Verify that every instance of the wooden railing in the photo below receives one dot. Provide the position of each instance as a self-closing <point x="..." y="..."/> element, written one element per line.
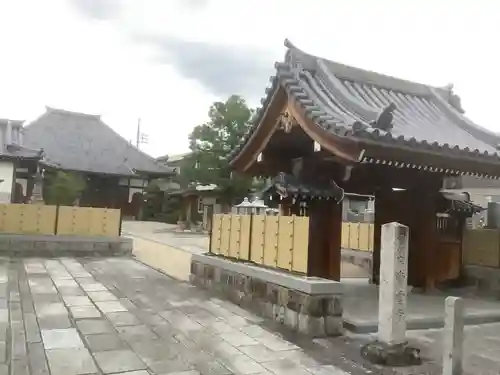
<point x="59" y="220"/>
<point x="272" y="241"/>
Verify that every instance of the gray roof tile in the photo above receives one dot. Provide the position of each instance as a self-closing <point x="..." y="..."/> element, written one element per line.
<point x="346" y="100"/>
<point x="82" y="142"/>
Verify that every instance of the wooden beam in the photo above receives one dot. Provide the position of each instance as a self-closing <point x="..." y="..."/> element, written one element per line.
<point x="343" y="148"/>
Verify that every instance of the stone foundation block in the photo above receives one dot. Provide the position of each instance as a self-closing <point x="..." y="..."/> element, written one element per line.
<point x="311" y="306"/>
<point x="61" y="246"/>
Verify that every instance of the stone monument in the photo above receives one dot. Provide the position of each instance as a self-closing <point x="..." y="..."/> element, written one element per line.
<point x="391" y="348"/>
<point x="453" y="336"/>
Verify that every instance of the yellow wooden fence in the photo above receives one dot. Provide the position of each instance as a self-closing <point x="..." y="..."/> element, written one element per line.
<point x="273" y="241"/>
<point x="357" y="236"/>
<point x="481" y="247"/>
<point x="60" y="220"/>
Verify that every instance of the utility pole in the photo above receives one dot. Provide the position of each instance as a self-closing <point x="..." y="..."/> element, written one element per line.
<point x="140" y="137"/>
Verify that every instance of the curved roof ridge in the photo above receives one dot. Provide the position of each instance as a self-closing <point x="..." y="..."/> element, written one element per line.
<point x="352" y="73"/>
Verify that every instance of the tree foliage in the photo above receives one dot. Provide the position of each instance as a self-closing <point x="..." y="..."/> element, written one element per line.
<point x="211" y="143"/>
<point x="63" y="188"/>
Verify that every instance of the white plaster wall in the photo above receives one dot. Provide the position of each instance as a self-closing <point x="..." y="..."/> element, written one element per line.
<point x="6" y="174"/>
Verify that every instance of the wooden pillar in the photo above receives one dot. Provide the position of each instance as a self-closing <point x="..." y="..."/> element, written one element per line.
<point x="325" y="230"/>
<point x="426" y="239"/>
<point x="382" y="216"/>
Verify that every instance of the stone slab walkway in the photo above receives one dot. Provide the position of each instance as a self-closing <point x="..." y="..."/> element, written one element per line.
<point x="117" y="316"/>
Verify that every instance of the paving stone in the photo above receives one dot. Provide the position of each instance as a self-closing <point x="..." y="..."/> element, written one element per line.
<point x="136" y="333"/>
<point x="238" y="338"/>
<point x="189" y="372"/>
<point x="20" y="366"/>
<point x="275" y="343"/>
<point x="40" y="299"/>
<point x="102" y="296"/>
<point x="37" y="359"/>
<point x="242" y="364"/>
<point x="103" y="342"/>
<point x="151" y="351"/>
<point x="32" y="330"/>
<point x="118" y="361"/>
<point x="77" y="301"/>
<point x="93" y="326"/>
<point x="169" y="365"/>
<point x="50" y="309"/>
<point x="4" y="369"/>
<point x="4" y="315"/>
<point x="54" y="322"/>
<point x="260" y="353"/>
<point x="65" y="282"/>
<point x="285" y="367"/>
<point x="61" y="339"/>
<point x="18" y="340"/>
<point x="93" y="287"/>
<point x="71" y="291"/>
<point x="140" y="372"/>
<point x="3" y="331"/>
<point x="70" y="362"/>
<point x="123" y="319"/>
<point x="110" y="307"/>
<point x="84" y="312"/>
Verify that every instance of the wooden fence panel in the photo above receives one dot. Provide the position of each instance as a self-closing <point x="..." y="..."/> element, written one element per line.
<point x="285" y="242"/>
<point x="481" y="247"/>
<point x="371" y="236"/>
<point x="345" y="237"/>
<point x="27" y="219"/>
<point x="245" y="237"/>
<point x="300" y="244"/>
<point x="354" y="236"/>
<point x="235" y="235"/>
<point x="271" y="241"/>
<point x="258" y="239"/>
<point x="363" y="236"/>
<point x="225" y="235"/>
<point x="88" y="221"/>
<point x="215" y="242"/>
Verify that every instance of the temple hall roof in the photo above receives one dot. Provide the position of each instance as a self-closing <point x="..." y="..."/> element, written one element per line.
<point x="82" y="142"/>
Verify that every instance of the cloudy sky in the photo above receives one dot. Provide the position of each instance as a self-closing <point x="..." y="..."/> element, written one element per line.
<point x="167" y="60"/>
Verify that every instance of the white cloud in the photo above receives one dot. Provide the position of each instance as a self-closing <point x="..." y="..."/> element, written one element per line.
<point x="57" y="53"/>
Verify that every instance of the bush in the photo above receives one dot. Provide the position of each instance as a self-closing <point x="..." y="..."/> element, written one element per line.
<point x="63" y="188"/>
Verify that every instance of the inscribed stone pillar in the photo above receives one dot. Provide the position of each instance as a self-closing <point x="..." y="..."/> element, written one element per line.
<point x="453" y="336"/>
<point x="393" y="283"/>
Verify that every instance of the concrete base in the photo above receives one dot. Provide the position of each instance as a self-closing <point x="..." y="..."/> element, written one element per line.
<point x="380" y="353"/>
<point x="312" y="306"/>
<point x="15" y="245"/>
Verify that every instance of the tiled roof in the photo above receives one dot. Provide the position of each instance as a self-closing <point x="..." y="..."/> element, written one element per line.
<point x="20" y="152"/>
<point x="81" y="142"/>
<point x="459" y="204"/>
<point x="347" y="101"/>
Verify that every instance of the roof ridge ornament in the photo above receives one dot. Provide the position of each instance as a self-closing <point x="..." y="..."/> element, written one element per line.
<point x="452" y="98"/>
<point x="384" y="119"/>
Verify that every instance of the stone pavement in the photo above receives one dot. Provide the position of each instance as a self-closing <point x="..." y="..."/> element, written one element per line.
<point x="481" y="347"/>
<point x="117" y="316"/>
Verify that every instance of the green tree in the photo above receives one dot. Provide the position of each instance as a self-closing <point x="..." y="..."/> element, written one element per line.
<point x="211" y="143"/>
<point x="63" y="188"/>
